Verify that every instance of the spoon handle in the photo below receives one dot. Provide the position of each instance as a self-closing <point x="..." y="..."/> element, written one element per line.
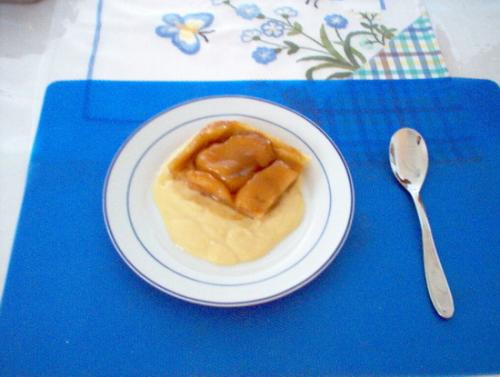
<point x="437" y="285"/>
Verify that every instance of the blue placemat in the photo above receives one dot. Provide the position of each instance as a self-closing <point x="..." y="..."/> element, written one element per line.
<point x="72" y="307"/>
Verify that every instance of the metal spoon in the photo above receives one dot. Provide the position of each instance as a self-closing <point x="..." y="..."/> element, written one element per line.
<point x="409" y="163"/>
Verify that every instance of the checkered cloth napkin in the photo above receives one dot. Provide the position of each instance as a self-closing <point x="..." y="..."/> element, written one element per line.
<point x="412" y="54"/>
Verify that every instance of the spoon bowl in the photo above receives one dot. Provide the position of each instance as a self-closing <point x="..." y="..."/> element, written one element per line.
<point x="409" y="158"/>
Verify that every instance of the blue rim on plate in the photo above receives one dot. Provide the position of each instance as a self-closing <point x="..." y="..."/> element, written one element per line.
<point x="238" y="303"/>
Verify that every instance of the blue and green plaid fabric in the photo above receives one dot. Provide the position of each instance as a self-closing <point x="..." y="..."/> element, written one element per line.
<point x="412" y="54"/>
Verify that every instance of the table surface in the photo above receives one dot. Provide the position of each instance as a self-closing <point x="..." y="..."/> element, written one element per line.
<point x="467" y="32"/>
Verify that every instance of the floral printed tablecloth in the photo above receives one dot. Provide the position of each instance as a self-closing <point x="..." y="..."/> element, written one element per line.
<point x="248" y="39"/>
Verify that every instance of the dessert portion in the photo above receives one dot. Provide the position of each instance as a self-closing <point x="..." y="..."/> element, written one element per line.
<point x="231" y="194"/>
<point x="238" y="166"/>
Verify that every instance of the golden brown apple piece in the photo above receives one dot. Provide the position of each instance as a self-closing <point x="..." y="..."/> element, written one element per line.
<point x="214" y="132"/>
<point x="264" y="189"/>
<point x="207" y="184"/>
<point x="291" y="156"/>
<point x="235" y="160"/>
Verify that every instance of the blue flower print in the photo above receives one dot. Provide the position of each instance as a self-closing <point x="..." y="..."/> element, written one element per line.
<point x="250" y="35"/>
<point x="185" y="31"/>
<point x="248" y="11"/>
<point x="336" y="21"/>
<point x="273" y="28"/>
<point x="286" y="12"/>
<point x="218" y="2"/>
<point x="264" y="55"/>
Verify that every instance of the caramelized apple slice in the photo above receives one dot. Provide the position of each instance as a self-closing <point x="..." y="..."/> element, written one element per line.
<point x="237" y="159"/>
<point x="214" y="132"/>
<point x="264" y="189"/>
<point x="291" y="156"/>
<point x="207" y="184"/>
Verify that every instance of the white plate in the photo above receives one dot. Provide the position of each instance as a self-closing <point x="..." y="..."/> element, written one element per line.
<point x="137" y="231"/>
